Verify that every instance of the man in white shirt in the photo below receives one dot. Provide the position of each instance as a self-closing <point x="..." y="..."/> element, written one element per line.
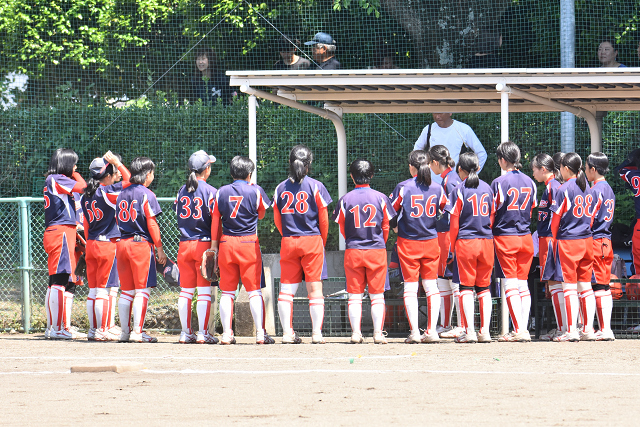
<point x="452" y="134"/>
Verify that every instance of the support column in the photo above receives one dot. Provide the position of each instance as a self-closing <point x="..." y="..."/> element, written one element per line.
<point x="504" y="136"/>
<point x="25" y="264"/>
<point x="253" y="139"/>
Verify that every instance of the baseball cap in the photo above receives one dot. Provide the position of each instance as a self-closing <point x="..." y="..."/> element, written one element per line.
<point x="170" y="272"/>
<point x="199" y="160"/>
<point x="98" y="167"/>
<point x="323" y="38"/>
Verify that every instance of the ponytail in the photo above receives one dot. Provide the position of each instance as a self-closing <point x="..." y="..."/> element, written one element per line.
<point x="192" y="182"/>
<point x="581" y="180"/>
<point x="510" y="153"/>
<point x="574" y="163"/>
<point x="469" y="163"/>
<point x="300" y="160"/>
<point x="441" y="154"/>
<point x="420" y="160"/>
<point x="557" y="160"/>
<point x="92" y="186"/>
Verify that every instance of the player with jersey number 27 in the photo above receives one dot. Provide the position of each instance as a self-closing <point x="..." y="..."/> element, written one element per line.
<point x="136" y="211"/>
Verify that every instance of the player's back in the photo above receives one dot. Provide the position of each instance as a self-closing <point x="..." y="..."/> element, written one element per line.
<point x="362" y="212"/>
<point x="134" y="206"/>
<point x="631" y="175"/>
<point x="59" y="204"/>
<point x="193" y="211"/>
<point x="544" y="207"/>
<point x="604" y="205"/>
<point x="100" y="212"/>
<point x="450" y="180"/>
<point x="299" y="204"/>
<point x="474" y="208"/>
<point x="574" y="206"/>
<point x="514" y="198"/>
<point x="419" y="207"/>
<point x="239" y="204"/>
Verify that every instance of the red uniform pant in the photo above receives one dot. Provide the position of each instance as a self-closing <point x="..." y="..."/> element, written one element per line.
<point x="189" y="262"/>
<point x="418" y="258"/>
<point x="239" y="257"/>
<point x="474" y="261"/>
<point x="136" y="264"/>
<point x="300" y="254"/>
<point x="602" y="260"/>
<point x="514" y="255"/>
<point x="575" y="260"/>
<point x="102" y="271"/>
<point x="444" y="241"/>
<point x="59" y="243"/>
<point x="365" y="266"/>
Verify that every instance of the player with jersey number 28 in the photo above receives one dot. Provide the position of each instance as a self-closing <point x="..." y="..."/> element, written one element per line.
<point x="136" y="211"/>
<point x="300" y="213"/>
<point x="472" y="211"/>
<point x="239" y="206"/>
<point x="363" y="215"/>
<point x="194" y="206"/>
<point x="514" y="199"/>
<point x="571" y="228"/>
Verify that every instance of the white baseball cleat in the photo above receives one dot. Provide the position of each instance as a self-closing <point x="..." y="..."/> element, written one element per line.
<point x="75" y="333"/>
<point x="484" y="338"/>
<point x="141" y="337"/>
<point x="47" y="333"/>
<point x="266" y="339"/>
<point x="227" y="339"/>
<point x="91" y="335"/>
<point x="522" y="336"/>
<point x="379" y="337"/>
<point x="317" y="339"/>
<point x="568" y="337"/>
<point x="105" y="336"/>
<point x="413" y="339"/>
<point x="453" y="333"/>
<point x="124" y="336"/>
<point x="605" y="335"/>
<point x="465" y="338"/>
<point x="62" y="334"/>
<point x="357" y="338"/>
<point x="441" y="329"/>
<point x="186" y="338"/>
<point x="634" y="329"/>
<point x="587" y="336"/>
<point x="431" y="338"/>
<point x="205" y="338"/>
<point x="549" y="336"/>
<point x="292" y="338"/>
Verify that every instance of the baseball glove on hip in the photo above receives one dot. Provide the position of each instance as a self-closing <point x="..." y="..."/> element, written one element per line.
<point x="209" y="267"/>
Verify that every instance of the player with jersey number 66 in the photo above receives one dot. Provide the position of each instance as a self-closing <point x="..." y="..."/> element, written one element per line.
<point x="194" y="206"/>
<point x="300" y="213"/>
<point x="363" y="215"/>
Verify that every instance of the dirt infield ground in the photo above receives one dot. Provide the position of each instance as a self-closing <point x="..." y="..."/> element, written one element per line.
<point x="335" y="384"/>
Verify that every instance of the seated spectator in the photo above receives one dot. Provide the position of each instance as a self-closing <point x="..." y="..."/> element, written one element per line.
<point x="210" y="82"/>
<point x="324" y="51"/>
<point x="487" y="44"/>
<point x="288" y="47"/>
<point x="608" y="54"/>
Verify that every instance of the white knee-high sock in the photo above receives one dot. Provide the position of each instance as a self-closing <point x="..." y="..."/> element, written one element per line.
<point x="433" y="304"/>
<point x="140" y="302"/>
<point x="256" y="304"/>
<point x="377" y="311"/>
<point x="604" y="306"/>
<point x="226" y="311"/>
<point x="484" y="301"/>
<point x="512" y="292"/>
<point x="571" y="303"/>
<point x="446" y="302"/>
<point x="557" y="298"/>
<point x="184" y="309"/>
<point x="588" y="305"/>
<point x="91" y="313"/>
<point x="68" y="307"/>
<point x="203" y="307"/>
<point x="525" y="301"/>
<point x="101" y="309"/>
<point x="124" y="308"/>
<point x="355" y="312"/>
<point x="285" y="306"/>
<point x="316" y="310"/>
<point x="47" y="309"/>
<point x="467" y="310"/>
<point x="56" y="306"/>
<point x="411" y="305"/>
<point x="455" y="289"/>
<point x="113" y="296"/>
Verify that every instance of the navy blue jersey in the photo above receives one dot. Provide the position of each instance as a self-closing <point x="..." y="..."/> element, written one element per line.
<point x="515" y="196"/>
<point x="239" y="205"/>
<point x="544" y="207"/>
<point x="299" y="204"/>
<point x="419" y="207"/>
<point x="474" y="209"/>
<point x="134" y="206"/>
<point x="573" y="208"/>
<point x="450" y="180"/>
<point x="631" y="175"/>
<point x="59" y="204"/>
<point x="364" y="215"/>
<point x="100" y="212"/>
<point x="604" y="205"/>
<point x="194" y="212"/>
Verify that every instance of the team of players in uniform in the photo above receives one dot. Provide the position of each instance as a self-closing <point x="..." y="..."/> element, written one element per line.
<point x="450" y="238"/>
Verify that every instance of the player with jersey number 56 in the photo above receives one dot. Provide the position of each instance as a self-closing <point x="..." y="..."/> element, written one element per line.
<point x="194" y="206"/>
<point x="239" y="206"/>
<point x="136" y="211"/>
<point x="363" y="215"/>
<point x="300" y="213"/>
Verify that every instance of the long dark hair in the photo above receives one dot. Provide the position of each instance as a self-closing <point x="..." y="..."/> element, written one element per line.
<point x="300" y="160"/>
<point x="94" y="180"/>
<point x="557" y="159"/>
<point x="599" y="161"/>
<point x="192" y="179"/>
<point x="543" y="160"/>
<point x="441" y="154"/>
<point x="509" y="152"/>
<point x="469" y="163"/>
<point x="574" y="163"/>
<point x="420" y="160"/>
<point x="140" y="168"/>
<point x="62" y="162"/>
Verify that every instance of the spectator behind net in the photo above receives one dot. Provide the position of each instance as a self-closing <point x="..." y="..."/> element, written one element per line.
<point x="289" y="60"/>
<point x="210" y="82"/>
<point x="324" y="51"/>
<point x="608" y="54"/>
<point x="487" y="44"/>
